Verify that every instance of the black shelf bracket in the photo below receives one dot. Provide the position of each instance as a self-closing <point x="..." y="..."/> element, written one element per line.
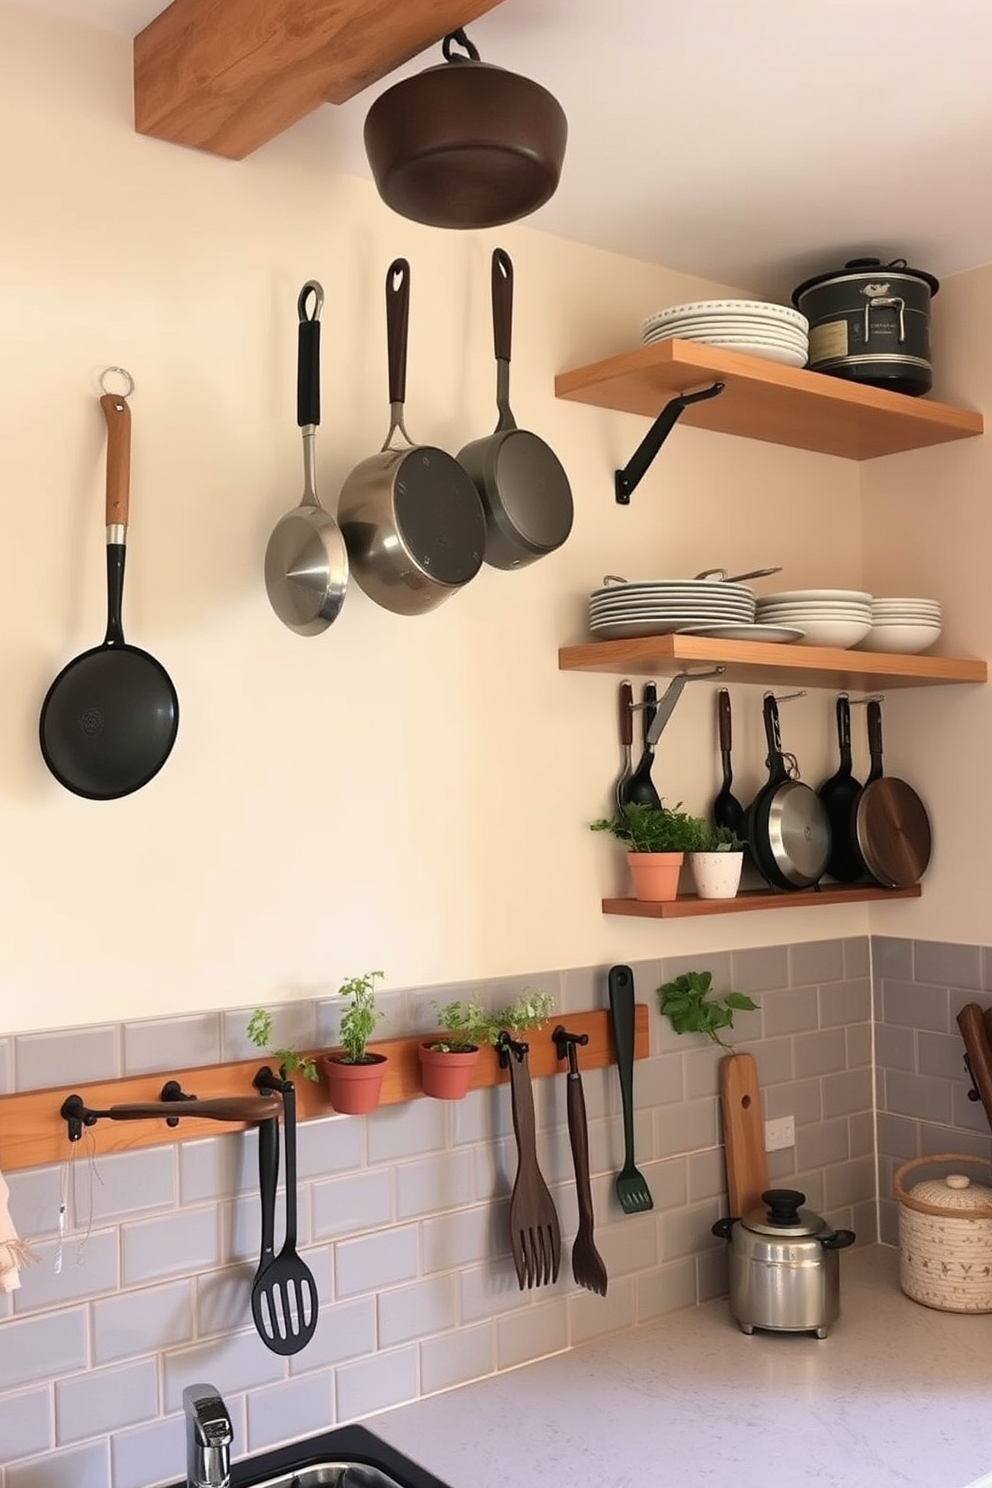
<point x="625" y="481"/>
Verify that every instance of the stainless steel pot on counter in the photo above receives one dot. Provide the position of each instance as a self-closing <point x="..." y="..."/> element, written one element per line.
<point x="784" y="1266"/>
<point x="870" y="322"/>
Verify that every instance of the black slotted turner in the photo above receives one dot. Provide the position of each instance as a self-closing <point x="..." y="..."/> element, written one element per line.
<point x="284" y="1300"/>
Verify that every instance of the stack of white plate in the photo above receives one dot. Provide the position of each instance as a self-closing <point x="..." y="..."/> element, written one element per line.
<point x="904" y="625"/>
<point x="830" y="617"/>
<point x="661" y="606"/>
<point x="754" y="327"/>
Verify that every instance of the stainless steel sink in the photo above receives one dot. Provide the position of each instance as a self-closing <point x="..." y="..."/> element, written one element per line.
<point x="331" y="1475"/>
<point x="348" y="1457"/>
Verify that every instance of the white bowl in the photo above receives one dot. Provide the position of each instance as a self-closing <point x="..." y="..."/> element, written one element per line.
<point x="909" y="640"/>
<point x="789" y="596"/>
<point x="840" y="633"/>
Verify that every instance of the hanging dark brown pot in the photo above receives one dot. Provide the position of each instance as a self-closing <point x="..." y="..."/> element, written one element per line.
<point x="465" y="144"/>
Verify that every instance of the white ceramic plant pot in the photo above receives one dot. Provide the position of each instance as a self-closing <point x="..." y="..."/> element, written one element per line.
<point x="717" y="875"/>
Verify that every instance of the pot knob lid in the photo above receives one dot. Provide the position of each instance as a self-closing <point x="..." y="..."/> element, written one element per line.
<point x="784" y="1215"/>
<point x="954" y="1191"/>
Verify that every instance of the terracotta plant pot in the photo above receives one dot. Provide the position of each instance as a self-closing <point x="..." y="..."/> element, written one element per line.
<point x="354" y="1089"/>
<point x="717" y="875"/>
<point x="655" y="875"/>
<point x="446" y="1075"/>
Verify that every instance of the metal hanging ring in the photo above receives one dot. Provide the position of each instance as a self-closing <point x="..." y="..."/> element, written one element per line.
<point x="121" y="372"/>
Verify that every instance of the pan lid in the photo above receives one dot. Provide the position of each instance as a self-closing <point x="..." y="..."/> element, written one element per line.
<point x="857" y="268"/>
<point x="782" y="1214"/>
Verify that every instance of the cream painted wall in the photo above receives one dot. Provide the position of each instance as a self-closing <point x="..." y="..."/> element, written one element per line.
<point x="411" y="794"/>
<point x="928" y="530"/>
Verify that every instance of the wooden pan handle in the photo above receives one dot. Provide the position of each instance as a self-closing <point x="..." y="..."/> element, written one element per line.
<point x="250" y="1108"/>
<point x="118" y="416"/>
<point x="972" y="1024"/>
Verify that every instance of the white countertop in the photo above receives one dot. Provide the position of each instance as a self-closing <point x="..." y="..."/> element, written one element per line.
<point x="898" y="1396"/>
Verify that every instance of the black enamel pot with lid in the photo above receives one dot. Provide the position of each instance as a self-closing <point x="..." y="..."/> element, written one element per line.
<point x="870" y="322"/>
<point x="465" y="144"/>
<point x="784" y="1266"/>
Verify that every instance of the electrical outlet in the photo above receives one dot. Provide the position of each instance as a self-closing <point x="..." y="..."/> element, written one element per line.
<point x="780" y="1133"/>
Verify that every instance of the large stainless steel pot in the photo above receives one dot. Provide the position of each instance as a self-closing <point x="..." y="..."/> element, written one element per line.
<point x="870" y="322"/>
<point x="784" y="1266"/>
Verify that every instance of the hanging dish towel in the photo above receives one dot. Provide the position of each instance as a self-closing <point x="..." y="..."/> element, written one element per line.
<point x="13" y="1252"/>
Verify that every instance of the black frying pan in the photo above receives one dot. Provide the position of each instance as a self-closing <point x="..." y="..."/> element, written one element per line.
<point x="839" y="795"/>
<point x="788" y="830"/>
<point x="891" y="824"/>
<point x="524" y="489"/>
<point x="109" y="720"/>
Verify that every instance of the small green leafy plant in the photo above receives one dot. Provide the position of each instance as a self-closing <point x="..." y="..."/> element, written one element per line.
<point x="290" y="1061"/>
<point x="471" y="1025"/>
<point x="653" y="829"/>
<point x="460" y="1022"/>
<point x="721" y="839"/>
<point x="686" y="1001"/>
<point x="360" y="1017"/>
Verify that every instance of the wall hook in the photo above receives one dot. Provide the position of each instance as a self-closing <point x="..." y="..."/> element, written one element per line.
<point x="671" y="695"/>
<point x="626" y="480"/>
<point x="505" y="1046"/>
<point x="565" y="1043"/>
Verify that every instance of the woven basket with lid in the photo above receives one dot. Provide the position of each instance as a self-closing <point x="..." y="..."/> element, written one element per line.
<point x="945" y="1233"/>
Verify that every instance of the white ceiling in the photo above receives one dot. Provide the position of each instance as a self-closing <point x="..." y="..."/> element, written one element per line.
<point x="751" y="141"/>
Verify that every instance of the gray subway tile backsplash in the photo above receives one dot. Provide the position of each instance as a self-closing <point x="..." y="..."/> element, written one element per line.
<point x="404" y="1217"/>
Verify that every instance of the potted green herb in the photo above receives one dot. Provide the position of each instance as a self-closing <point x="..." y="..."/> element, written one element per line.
<point x="688" y="1003"/>
<point x="717" y="863"/>
<point x="289" y="1060"/>
<point x="354" y="1075"/>
<point x="657" y="839"/>
<point x="447" y="1059"/>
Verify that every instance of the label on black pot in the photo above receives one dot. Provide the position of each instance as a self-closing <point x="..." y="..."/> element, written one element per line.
<point x="828" y="340"/>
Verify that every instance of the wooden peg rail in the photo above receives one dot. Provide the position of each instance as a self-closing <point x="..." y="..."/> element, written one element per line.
<point x="33" y="1134"/>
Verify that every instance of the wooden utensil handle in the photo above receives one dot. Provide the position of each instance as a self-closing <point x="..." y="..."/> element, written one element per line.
<point x="578" y="1136"/>
<point x="723" y="720"/>
<point x="226" y="1108"/>
<point x="626" y="700"/>
<point x="522" y="1101"/>
<point x="118" y="416"/>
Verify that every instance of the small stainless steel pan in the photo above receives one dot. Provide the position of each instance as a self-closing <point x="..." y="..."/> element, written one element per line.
<point x="524" y="489"/>
<point x="411" y="516"/>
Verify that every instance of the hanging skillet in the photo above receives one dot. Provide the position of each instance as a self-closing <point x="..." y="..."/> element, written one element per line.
<point x="525" y="492"/>
<point x="411" y="516"/>
<point x="787" y="826"/>
<point x="110" y="718"/>
<point x="306" y="561"/>
<point x="838" y="795"/>
<point x="465" y="144"/>
<point x="890" y="820"/>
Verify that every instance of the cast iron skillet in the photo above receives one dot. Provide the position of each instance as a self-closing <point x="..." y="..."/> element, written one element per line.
<point x="524" y="489"/>
<point x="890" y="821"/>
<point x="411" y="517"/>
<point x="838" y="795"/>
<point x="110" y="718"/>
<point x="788" y="829"/>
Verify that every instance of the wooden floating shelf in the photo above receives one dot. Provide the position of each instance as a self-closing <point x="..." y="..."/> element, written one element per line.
<point x="772" y="665"/>
<point x="686" y="906"/>
<point x="32" y="1133"/>
<point x="763" y="400"/>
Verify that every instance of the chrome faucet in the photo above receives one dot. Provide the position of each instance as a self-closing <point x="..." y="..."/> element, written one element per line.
<point x="209" y="1434"/>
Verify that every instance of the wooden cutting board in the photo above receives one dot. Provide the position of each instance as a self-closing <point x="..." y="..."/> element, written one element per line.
<point x="743" y="1134"/>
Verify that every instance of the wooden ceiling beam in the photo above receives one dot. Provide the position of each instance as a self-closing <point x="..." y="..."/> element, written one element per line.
<point x="227" y="76"/>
